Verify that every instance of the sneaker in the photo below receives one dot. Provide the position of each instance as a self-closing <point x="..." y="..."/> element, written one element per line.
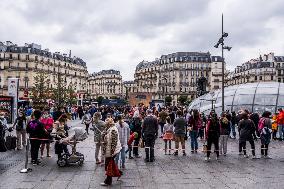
<point x="217" y="158"/>
<point x="131" y="157"/>
<point x="195" y="151"/>
<point x="246" y="156"/>
<point x="176" y="153"/>
<point x="184" y="154"/>
<point x="267" y="157"/>
<point x="104" y="184"/>
<point x="49" y="156"/>
<point x="225" y="154"/>
<point x="146" y="160"/>
<point x="207" y="158"/>
<point x="254" y="157"/>
<point x="123" y="166"/>
<point x="240" y="153"/>
<point x="192" y="151"/>
<point x="138" y="156"/>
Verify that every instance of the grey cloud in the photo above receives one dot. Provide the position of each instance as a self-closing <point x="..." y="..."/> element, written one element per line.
<point x="93" y="29"/>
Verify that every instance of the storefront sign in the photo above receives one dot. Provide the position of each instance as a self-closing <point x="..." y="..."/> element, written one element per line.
<point x="6" y="106"/>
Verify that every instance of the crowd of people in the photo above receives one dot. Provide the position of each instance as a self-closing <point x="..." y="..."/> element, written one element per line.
<point x="123" y="131"/>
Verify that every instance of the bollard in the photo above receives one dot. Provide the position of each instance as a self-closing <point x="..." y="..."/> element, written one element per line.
<point x="26" y="169"/>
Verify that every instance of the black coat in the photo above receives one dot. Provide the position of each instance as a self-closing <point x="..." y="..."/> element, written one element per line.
<point x="246" y="130"/>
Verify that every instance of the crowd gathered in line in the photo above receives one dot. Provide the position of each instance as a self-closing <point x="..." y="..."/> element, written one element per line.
<point x="123" y="131"/>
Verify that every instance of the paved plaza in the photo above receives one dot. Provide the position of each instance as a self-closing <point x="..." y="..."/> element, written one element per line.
<point x="167" y="171"/>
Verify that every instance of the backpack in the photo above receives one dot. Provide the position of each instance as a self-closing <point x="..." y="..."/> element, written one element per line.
<point x="261" y="124"/>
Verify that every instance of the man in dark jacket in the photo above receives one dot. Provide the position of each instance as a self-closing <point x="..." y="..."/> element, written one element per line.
<point x="150" y="133"/>
<point x="246" y="130"/>
<point x="179" y="130"/>
<point x="36" y="132"/>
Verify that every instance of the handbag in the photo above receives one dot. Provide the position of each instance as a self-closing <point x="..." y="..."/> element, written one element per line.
<point x="141" y="143"/>
<point x="205" y="147"/>
<point x="112" y="169"/>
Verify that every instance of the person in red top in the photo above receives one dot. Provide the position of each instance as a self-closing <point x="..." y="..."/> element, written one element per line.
<point x="280" y="122"/>
<point x="47" y="121"/>
<point x="132" y="137"/>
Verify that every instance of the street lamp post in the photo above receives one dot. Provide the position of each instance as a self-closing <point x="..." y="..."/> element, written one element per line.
<point x="221" y="42"/>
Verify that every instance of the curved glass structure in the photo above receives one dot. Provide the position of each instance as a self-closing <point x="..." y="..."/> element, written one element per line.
<point x="255" y="97"/>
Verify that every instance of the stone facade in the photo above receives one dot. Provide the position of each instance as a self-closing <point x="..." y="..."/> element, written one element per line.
<point x="263" y="69"/>
<point x="25" y="62"/>
<point x="177" y="74"/>
<point x="106" y="83"/>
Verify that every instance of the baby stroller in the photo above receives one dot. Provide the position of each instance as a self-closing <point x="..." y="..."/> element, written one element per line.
<point x="76" y="134"/>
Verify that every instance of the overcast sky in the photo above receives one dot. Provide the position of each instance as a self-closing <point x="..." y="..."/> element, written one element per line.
<point x="119" y="34"/>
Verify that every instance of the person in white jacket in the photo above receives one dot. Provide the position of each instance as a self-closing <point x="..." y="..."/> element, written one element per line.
<point x="111" y="147"/>
<point x="124" y="133"/>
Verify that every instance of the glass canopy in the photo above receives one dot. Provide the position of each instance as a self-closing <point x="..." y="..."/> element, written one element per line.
<point x="256" y="97"/>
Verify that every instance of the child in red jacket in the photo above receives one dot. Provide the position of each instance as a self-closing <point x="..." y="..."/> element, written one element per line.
<point x="133" y="136"/>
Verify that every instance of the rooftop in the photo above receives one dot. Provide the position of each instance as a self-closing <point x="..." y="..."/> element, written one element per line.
<point x="36" y="49"/>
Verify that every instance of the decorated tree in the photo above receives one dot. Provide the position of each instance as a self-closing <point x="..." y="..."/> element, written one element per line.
<point x="168" y="100"/>
<point x="70" y="95"/>
<point x="40" y="91"/>
<point x="59" y="94"/>
<point x="100" y="99"/>
<point x="182" y="99"/>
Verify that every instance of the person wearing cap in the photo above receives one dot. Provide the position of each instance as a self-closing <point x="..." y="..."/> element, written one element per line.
<point x="111" y="147"/>
<point x="150" y="134"/>
<point x="98" y="126"/>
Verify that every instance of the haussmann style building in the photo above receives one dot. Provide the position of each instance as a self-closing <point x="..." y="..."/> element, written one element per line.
<point x="106" y="83"/>
<point x="25" y="62"/>
<point x="179" y="74"/>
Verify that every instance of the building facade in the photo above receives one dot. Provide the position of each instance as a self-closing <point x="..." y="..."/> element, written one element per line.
<point x="106" y="83"/>
<point x="266" y="68"/>
<point x="178" y="74"/>
<point x="25" y="62"/>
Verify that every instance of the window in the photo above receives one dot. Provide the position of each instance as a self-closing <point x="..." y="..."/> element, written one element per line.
<point x="19" y="56"/>
<point x="11" y="56"/>
<point x="255" y="78"/>
<point x="260" y="78"/>
<point x="27" y="57"/>
<point x="272" y="78"/>
<point x="36" y="58"/>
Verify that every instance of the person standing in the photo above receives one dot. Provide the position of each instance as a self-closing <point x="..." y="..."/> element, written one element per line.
<point x="87" y="119"/>
<point x="124" y="133"/>
<point x="224" y="133"/>
<point x="20" y="125"/>
<point x="150" y="133"/>
<point x="111" y="147"/>
<point x="246" y="130"/>
<point x="274" y="126"/>
<point x="212" y="135"/>
<point x="194" y="124"/>
<point x="136" y="127"/>
<point x="233" y="125"/>
<point x="179" y="133"/>
<point x="36" y="132"/>
<point x="280" y="122"/>
<point x="168" y="135"/>
<point x="98" y="127"/>
<point x="47" y="121"/>
<point x="264" y="128"/>
<point x="162" y="120"/>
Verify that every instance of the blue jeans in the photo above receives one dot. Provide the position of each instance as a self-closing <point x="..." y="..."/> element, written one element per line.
<point x="122" y="155"/>
<point x="193" y="140"/>
<point x="233" y="130"/>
